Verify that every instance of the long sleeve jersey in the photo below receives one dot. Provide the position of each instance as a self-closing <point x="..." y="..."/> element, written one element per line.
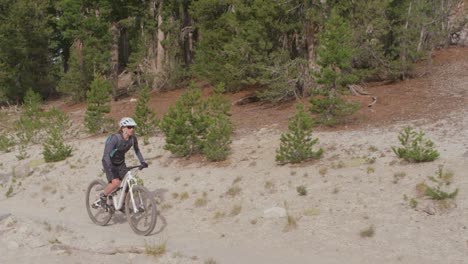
<point x="115" y="149"/>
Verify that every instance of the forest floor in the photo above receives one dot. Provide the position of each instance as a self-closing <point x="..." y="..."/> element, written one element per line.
<point x="357" y="208"/>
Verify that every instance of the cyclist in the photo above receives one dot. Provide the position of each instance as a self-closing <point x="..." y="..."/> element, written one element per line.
<point x="113" y="159"/>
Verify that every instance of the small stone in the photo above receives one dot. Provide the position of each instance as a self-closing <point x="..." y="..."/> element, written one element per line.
<point x="274" y="212"/>
<point x="4" y="215"/>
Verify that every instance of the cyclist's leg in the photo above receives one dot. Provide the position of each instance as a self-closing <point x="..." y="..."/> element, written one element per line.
<point x="113" y="179"/>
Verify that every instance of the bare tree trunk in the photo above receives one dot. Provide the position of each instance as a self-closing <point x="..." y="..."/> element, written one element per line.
<point x="187" y="35"/>
<point x="78" y="46"/>
<point x="114" y="75"/>
<point x="404" y="50"/>
<point x="152" y="47"/>
<point x="160" y="50"/>
<point x="310" y="39"/>
<point x="124" y="48"/>
<point x="421" y="38"/>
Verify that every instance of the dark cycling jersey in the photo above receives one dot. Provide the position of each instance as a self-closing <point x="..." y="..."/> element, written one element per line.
<point x="115" y="149"/>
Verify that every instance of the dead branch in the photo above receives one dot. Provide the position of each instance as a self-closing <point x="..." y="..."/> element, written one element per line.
<point x="374" y="101"/>
<point x="247" y="100"/>
<point x="357" y="90"/>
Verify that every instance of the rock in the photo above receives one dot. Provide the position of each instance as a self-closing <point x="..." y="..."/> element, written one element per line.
<point x="4" y="214"/>
<point x="274" y="212"/>
<point x="22" y="171"/>
<point x="429" y="209"/>
<point x="5" y="177"/>
<point x="60" y="249"/>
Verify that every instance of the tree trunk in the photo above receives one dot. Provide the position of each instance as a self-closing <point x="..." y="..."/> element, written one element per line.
<point x="124" y="49"/>
<point x="114" y="64"/>
<point x="160" y="50"/>
<point x="187" y="33"/>
<point x="310" y="41"/>
<point x="78" y="46"/>
<point x="152" y="47"/>
<point x="421" y="38"/>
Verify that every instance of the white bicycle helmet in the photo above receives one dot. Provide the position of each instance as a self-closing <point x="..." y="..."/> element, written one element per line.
<point x="127" y="121"/>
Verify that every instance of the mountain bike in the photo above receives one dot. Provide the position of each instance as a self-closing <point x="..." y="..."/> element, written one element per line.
<point x="130" y="197"/>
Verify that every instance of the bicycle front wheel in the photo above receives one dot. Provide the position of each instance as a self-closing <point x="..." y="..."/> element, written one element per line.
<point x="99" y="215"/>
<point x="140" y="209"/>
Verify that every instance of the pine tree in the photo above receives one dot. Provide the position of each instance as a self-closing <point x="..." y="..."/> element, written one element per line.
<point x="216" y="144"/>
<point x="54" y="148"/>
<point x="30" y="122"/>
<point x="334" y="57"/>
<point x="98" y="99"/>
<point x="183" y="124"/>
<point x="296" y="145"/>
<point x="27" y="48"/>
<point x="145" y="117"/>
<point x="197" y="126"/>
<point x="73" y="82"/>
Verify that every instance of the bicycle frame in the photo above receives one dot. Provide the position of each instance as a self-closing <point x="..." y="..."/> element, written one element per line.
<point x="128" y="182"/>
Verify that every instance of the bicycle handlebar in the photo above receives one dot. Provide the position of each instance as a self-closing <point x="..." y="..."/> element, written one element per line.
<point x="140" y="167"/>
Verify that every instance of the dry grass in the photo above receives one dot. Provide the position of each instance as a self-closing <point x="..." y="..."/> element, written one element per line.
<point x="368" y="232"/>
<point x="233" y="191"/>
<point x="323" y="171"/>
<point x="202" y="201"/>
<point x="155" y="250"/>
<point x="236" y="180"/>
<point x="236" y="209"/>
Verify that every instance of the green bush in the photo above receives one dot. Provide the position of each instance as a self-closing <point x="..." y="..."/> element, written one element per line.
<point x="216" y="143"/>
<point x="6" y="143"/>
<point x="54" y="148"/>
<point x="29" y="125"/>
<point x="144" y="116"/>
<point x="442" y="178"/>
<point x="296" y="145"/>
<point x="182" y="125"/>
<point x="415" y="148"/>
<point x="98" y="98"/>
<point x="198" y="126"/>
<point x="332" y="109"/>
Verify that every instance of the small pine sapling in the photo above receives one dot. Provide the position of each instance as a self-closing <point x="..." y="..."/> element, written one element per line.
<point x="415" y="148"/>
<point x="144" y="116"/>
<point x="216" y="145"/>
<point x="296" y="145"/>
<point x="54" y="147"/>
<point x="98" y="98"/>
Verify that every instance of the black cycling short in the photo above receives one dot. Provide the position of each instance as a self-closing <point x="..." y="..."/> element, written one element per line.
<point x="117" y="172"/>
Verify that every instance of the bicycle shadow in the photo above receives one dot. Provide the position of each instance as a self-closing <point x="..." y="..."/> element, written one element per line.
<point x="158" y="195"/>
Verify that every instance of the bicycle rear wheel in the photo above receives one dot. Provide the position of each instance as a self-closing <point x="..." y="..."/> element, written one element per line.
<point x="100" y="216"/>
<point x="142" y="213"/>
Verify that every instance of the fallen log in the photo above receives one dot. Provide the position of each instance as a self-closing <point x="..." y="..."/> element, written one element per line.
<point x="357" y="90"/>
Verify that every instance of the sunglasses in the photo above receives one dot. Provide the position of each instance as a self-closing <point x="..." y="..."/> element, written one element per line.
<point x="130" y="127"/>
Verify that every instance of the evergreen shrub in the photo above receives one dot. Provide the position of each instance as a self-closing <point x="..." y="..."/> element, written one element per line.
<point x="144" y="116"/>
<point x="415" y="148"/>
<point x="6" y="143"/>
<point x="98" y="98"/>
<point x="332" y="109"/>
<point x="54" y="148"/>
<point x="198" y="126"/>
<point x="296" y="145"/>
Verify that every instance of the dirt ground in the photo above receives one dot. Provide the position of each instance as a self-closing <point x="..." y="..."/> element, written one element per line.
<point x="357" y="207"/>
